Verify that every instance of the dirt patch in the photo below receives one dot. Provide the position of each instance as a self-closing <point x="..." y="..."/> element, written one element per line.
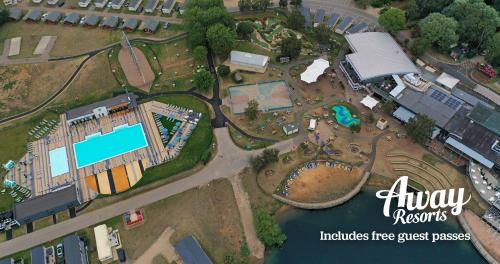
<point x="25" y="86"/>
<point x="484" y="233"/>
<point x="323" y="183"/>
<point x="133" y="72"/>
<point x="161" y="246"/>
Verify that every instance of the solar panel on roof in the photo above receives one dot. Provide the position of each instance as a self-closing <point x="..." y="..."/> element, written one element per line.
<point x="438" y="95"/>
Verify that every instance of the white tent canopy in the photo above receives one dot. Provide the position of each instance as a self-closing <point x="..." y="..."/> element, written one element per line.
<point x="447" y="80"/>
<point x="369" y="102"/>
<point x="313" y="71"/>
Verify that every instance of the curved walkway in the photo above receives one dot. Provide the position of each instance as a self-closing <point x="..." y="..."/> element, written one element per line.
<point x="475" y="241"/>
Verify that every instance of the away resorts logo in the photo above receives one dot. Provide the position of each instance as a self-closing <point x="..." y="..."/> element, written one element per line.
<point x="421" y="207"/>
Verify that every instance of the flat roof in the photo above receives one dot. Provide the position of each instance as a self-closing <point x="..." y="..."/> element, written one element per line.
<point x="246" y="58"/>
<point x="45" y="205"/>
<point x="346" y="22"/>
<point x="487" y="117"/>
<point x="333" y="19"/>
<point x="88" y="109"/>
<point x="403" y="114"/>
<point x="37" y="255"/>
<point x="469" y="98"/>
<point x="357" y="28"/>
<point x="191" y="252"/>
<point x="103" y="245"/>
<point x="436" y="104"/>
<point x="447" y="80"/>
<point x="376" y="54"/>
<point x="74" y="250"/>
<point x="488" y="93"/>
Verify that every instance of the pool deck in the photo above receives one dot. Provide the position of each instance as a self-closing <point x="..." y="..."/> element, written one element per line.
<point x="37" y="169"/>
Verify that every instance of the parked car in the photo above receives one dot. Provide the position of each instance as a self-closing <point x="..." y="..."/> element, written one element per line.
<point x="121" y="255"/>
<point x="59" y="250"/>
<point x="165" y="25"/>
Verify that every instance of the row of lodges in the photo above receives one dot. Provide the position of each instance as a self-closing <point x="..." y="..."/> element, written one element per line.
<point x="74" y="18"/>
<point x="347" y="24"/>
<point x="150" y="6"/>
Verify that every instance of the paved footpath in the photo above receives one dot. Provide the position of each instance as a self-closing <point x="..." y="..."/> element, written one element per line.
<point x="230" y="160"/>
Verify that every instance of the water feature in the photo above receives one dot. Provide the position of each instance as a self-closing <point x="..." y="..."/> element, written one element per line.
<point x="344" y="117"/>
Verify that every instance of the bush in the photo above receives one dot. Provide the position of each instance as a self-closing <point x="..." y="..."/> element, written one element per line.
<point x="267" y="157"/>
<point x="268" y="231"/>
<point x="223" y="70"/>
<point x="420" y="46"/>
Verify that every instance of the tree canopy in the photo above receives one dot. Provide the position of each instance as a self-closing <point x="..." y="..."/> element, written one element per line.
<point x="493" y="50"/>
<point x="477" y="21"/>
<point x="203" y="80"/>
<point x="268" y="231"/>
<point x="296" y="3"/>
<point x="200" y="54"/>
<point x="223" y="70"/>
<point x="245" y="29"/>
<point x="283" y="3"/>
<point x="267" y="157"/>
<point x="296" y="20"/>
<point x="393" y="19"/>
<point x="440" y="30"/>
<point x="420" y="46"/>
<point x="4" y="16"/>
<point x="221" y="39"/>
<point x="419" y="128"/>
<point x="252" y="110"/>
<point x="421" y="8"/>
<point x="291" y="47"/>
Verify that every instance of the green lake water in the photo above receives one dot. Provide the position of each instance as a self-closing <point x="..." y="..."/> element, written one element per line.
<point x="364" y="214"/>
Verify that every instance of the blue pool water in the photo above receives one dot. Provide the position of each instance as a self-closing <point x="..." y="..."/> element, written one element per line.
<point x="97" y="148"/>
<point x="58" y="161"/>
<point x="344" y="117"/>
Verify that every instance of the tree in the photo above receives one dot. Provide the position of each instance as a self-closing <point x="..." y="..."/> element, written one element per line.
<point x="493" y="50"/>
<point x="322" y="33"/>
<point x="268" y="231"/>
<point x="196" y="36"/>
<point x="296" y="20"/>
<point x="296" y="3"/>
<point x="421" y="8"/>
<point x="260" y="4"/>
<point x="252" y="110"/>
<point x="355" y="128"/>
<point x="223" y="70"/>
<point x="393" y="20"/>
<point x="440" y="30"/>
<point x="200" y="54"/>
<point x="388" y="107"/>
<point x="419" y="128"/>
<point x="203" y="80"/>
<point x="221" y="39"/>
<point x="4" y="16"/>
<point x="245" y="29"/>
<point x="283" y="3"/>
<point x="291" y="47"/>
<point x="477" y="21"/>
<point x="245" y="5"/>
<point x="420" y="46"/>
<point x="267" y="157"/>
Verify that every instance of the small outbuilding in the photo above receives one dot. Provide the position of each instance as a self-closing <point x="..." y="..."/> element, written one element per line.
<point x="84" y="3"/>
<point x="150" y="26"/>
<point x="103" y="245"/>
<point x="369" y="102"/>
<point x="100" y="3"/>
<point x="382" y="124"/>
<point x="53" y="17"/>
<point x="134" y="5"/>
<point x="72" y="19"/>
<point x="447" y="81"/>
<point x="248" y="61"/>
<point x="117" y="4"/>
<point x="168" y="6"/>
<point x="313" y="71"/>
<point x="91" y="21"/>
<point x="151" y="5"/>
<point x="290" y="129"/>
<point x="110" y="22"/>
<point x="15" y="14"/>
<point x="312" y="124"/>
<point x="130" y="24"/>
<point x="33" y="16"/>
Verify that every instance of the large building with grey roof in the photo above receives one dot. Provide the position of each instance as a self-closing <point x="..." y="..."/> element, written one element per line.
<point x="240" y="60"/>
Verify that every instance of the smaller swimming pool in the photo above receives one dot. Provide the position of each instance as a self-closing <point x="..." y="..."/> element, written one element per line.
<point x="344" y="117"/>
<point x="58" y="161"/>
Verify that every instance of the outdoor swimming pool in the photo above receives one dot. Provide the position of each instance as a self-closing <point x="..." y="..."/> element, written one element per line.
<point x="96" y="148"/>
<point x="58" y="161"/>
<point x="344" y="117"/>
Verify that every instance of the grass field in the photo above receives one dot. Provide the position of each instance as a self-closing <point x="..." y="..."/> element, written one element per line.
<point x="198" y="144"/>
<point x="245" y="142"/>
<point x="87" y="38"/>
<point x="26" y="86"/>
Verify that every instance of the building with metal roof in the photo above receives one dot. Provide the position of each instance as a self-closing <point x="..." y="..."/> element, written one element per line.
<point x="168" y="6"/>
<point x="53" y="17"/>
<point x="333" y="20"/>
<point x="134" y="5"/>
<point x="117" y="4"/>
<point x="72" y="18"/>
<point x="38" y="255"/>
<point x="319" y="17"/>
<point x="110" y="22"/>
<point x="100" y="3"/>
<point x="91" y="21"/>
<point x="191" y="252"/>
<point x="377" y="55"/>
<point x="359" y="28"/>
<point x="487" y="93"/>
<point x="469" y="98"/>
<point x="74" y="250"/>
<point x="130" y="24"/>
<point x="7" y="261"/>
<point x="150" y="26"/>
<point x="103" y="245"/>
<point x="33" y="15"/>
<point x="306" y="13"/>
<point x="344" y="25"/>
<point x="84" y="3"/>
<point x="486" y="117"/>
<point x="151" y="5"/>
<point x="101" y="108"/>
<point x="436" y="104"/>
<point x="248" y="61"/>
<point x="15" y="14"/>
<point x="46" y="205"/>
<point x="290" y="128"/>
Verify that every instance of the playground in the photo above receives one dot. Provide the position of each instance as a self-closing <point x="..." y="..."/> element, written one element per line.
<point x="271" y="96"/>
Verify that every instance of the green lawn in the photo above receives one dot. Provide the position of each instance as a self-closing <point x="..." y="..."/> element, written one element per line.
<point x="244" y="142"/>
<point x="198" y="144"/>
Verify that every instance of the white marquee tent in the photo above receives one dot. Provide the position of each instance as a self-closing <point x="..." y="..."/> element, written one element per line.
<point x="369" y="102"/>
<point x="313" y="71"/>
<point x="447" y="80"/>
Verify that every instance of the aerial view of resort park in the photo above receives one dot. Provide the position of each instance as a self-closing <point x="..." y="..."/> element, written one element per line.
<point x="249" y="131"/>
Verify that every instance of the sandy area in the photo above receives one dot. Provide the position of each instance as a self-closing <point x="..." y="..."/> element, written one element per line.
<point x="133" y="75"/>
<point x="489" y="238"/>
<point x="323" y="183"/>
